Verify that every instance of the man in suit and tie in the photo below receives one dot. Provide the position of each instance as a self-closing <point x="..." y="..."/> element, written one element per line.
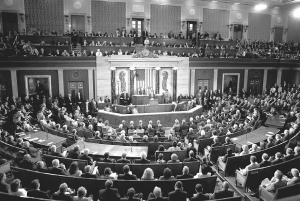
<point x="264" y="162"/>
<point x="123" y="159"/>
<point x="85" y="156"/>
<point x="69" y="102"/>
<point x="224" y="193"/>
<point x="93" y="107"/>
<point x="178" y="194"/>
<point x="127" y="174"/>
<point x="145" y="34"/>
<point x="79" y="99"/>
<point x="124" y="98"/>
<point x="199" y="196"/>
<point x="185" y="174"/>
<point x="36" y="192"/>
<point x="109" y="193"/>
<point x="143" y="159"/>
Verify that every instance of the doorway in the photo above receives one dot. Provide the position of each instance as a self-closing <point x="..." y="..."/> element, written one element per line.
<point x="10" y="22"/>
<point x="278" y="34"/>
<point x="255" y="86"/>
<point x="202" y="84"/>
<point x="2" y="91"/>
<point x="191" y="28"/>
<point x="78" y="23"/>
<point x="237" y="32"/>
<point x="137" y="24"/>
<point x="74" y="88"/>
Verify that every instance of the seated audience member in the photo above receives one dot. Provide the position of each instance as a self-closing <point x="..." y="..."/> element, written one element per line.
<point x="156" y="195"/>
<point x="174" y="147"/>
<point x="185" y="174"/>
<point x="167" y="175"/>
<point x="26" y="163"/>
<point x="64" y="193"/>
<point x="160" y="158"/>
<point x="161" y="148"/>
<point x="85" y="156"/>
<point x="245" y="150"/>
<point x="88" y="172"/>
<point x="144" y="139"/>
<point x="123" y="159"/>
<point x="205" y="172"/>
<point x="216" y="142"/>
<point x="227" y="155"/>
<point x="108" y="174"/>
<point x="74" y="153"/>
<point x="107" y="159"/>
<point x="57" y="168"/>
<point x="4" y="187"/>
<point x="148" y="174"/>
<point x="270" y="142"/>
<point x="52" y="151"/>
<point x="127" y="174"/>
<point x="227" y="141"/>
<point x="16" y="190"/>
<point x="289" y="154"/>
<point x="130" y="195"/>
<point x="174" y="159"/>
<point x="74" y="170"/>
<point x="109" y="192"/>
<point x="160" y="131"/>
<point x="170" y="138"/>
<point x="178" y="194"/>
<point x="40" y="167"/>
<point x="143" y="159"/>
<point x="295" y="179"/>
<point x="199" y="195"/>
<point x="191" y="157"/>
<point x="278" y="159"/>
<point x="275" y="183"/>
<point x="253" y="165"/>
<point x="254" y="149"/>
<point x="36" y="192"/>
<point x="264" y="162"/>
<point x="30" y="150"/>
<point x="81" y="193"/>
<point x="296" y="151"/>
<point x="224" y="193"/>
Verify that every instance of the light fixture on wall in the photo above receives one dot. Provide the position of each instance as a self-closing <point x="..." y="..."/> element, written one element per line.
<point x="89" y="19"/>
<point x="246" y="27"/>
<point x="296" y="13"/>
<point x="260" y="7"/>
<point x="21" y="17"/>
<point x="272" y="29"/>
<point x="230" y="26"/>
<point x="67" y="19"/>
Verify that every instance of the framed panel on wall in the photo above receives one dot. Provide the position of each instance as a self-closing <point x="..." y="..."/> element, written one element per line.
<point x="38" y="85"/>
<point x="231" y="83"/>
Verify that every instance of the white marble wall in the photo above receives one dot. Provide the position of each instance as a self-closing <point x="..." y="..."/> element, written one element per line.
<point x="183" y="76"/>
<point x="103" y="78"/>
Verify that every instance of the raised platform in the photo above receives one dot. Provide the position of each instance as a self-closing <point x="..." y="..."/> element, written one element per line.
<point x="166" y="118"/>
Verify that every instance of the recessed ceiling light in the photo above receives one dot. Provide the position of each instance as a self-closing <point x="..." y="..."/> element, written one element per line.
<point x="260" y="7"/>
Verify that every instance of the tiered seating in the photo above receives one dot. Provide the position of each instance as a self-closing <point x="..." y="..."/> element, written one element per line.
<point x="9" y="150"/>
<point x="167" y="154"/>
<point x="281" y="193"/>
<point x="51" y="182"/>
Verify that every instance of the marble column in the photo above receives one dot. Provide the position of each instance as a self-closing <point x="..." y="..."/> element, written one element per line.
<point x="14" y="83"/>
<point x="131" y="85"/>
<point x="113" y="85"/>
<point x="215" y="84"/>
<point x="193" y="72"/>
<point x="175" y="83"/>
<point x="246" y="80"/>
<point x="157" y="80"/>
<point x="279" y="75"/>
<point x="61" y="89"/>
<point x="91" y="83"/>
<point x="265" y="79"/>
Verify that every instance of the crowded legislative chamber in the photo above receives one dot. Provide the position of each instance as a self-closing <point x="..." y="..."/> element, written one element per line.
<point x="136" y="100"/>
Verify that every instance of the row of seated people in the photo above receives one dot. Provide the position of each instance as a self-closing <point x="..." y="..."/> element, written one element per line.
<point x="207" y="46"/>
<point x="109" y="193"/>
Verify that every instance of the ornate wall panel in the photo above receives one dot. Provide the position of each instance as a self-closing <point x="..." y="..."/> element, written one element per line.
<point x="293" y="33"/>
<point x="165" y="18"/>
<point x="108" y="16"/>
<point x="216" y="21"/>
<point x="46" y="15"/>
<point x="259" y="26"/>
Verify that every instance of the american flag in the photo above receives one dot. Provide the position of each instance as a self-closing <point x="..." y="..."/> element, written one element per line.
<point x="140" y="75"/>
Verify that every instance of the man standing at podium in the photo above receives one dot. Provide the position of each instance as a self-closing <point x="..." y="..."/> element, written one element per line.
<point x="124" y="98"/>
<point x="167" y="97"/>
<point x="151" y="94"/>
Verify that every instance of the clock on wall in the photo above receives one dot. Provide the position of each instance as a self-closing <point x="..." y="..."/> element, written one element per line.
<point x="77" y="5"/>
<point x="76" y="75"/>
<point x="192" y="12"/>
<point x="279" y="19"/>
<point x="9" y="2"/>
<point x="204" y="73"/>
<point x="255" y="73"/>
<point x="239" y="16"/>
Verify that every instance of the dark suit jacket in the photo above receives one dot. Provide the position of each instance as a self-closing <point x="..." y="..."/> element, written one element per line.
<point x="142" y="161"/>
<point x="59" y="171"/>
<point x="59" y="196"/>
<point x="200" y="197"/>
<point x="159" y="199"/>
<point x="87" y="158"/>
<point x="264" y="164"/>
<point x="73" y="154"/>
<point x="184" y="176"/>
<point x="37" y="194"/>
<point x="127" y="177"/>
<point x="276" y="161"/>
<point x="123" y="161"/>
<point x="79" y="99"/>
<point x="223" y="194"/>
<point x="289" y="157"/>
<point x="88" y="175"/>
<point x="190" y="160"/>
<point x="56" y="154"/>
<point x="112" y="193"/>
<point x="4" y="187"/>
<point x="177" y="195"/>
<point x="68" y="101"/>
<point x="26" y="164"/>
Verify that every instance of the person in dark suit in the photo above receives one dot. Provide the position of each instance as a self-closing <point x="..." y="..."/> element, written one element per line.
<point x="131" y="196"/>
<point x="278" y="159"/>
<point x="185" y="173"/>
<point x="123" y="159"/>
<point x="64" y="193"/>
<point x="4" y="187"/>
<point x="264" y="162"/>
<point x="224" y="193"/>
<point x="57" y="168"/>
<point x="74" y="153"/>
<point x="87" y="173"/>
<point x="26" y="163"/>
<point x="295" y="179"/>
<point x="85" y="156"/>
<point x="79" y="99"/>
<point x="156" y="195"/>
<point x="127" y="175"/>
<point x="227" y="155"/>
<point x="191" y="157"/>
<point x="216" y="142"/>
<point x="107" y="159"/>
<point x="52" y="152"/>
<point x="109" y="192"/>
<point x="178" y="194"/>
<point x="36" y="192"/>
<point x="199" y="196"/>
<point x="289" y="154"/>
<point x="93" y="107"/>
<point x="69" y="102"/>
<point x="276" y="182"/>
<point x="184" y="126"/>
<point x="143" y="159"/>
<point x="124" y="98"/>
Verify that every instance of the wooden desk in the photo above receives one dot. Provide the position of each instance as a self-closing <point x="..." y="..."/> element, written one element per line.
<point x="115" y="151"/>
<point x="254" y="137"/>
<point x="44" y="140"/>
<point x="46" y="39"/>
<point x="140" y="100"/>
<point x="275" y="121"/>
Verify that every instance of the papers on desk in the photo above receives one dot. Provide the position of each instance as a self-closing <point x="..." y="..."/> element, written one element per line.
<point x="33" y="139"/>
<point x="271" y="132"/>
<point x="269" y="135"/>
<point x="249" y="142"/>
<point x="40" y="140"/>
<point x="96" y="152"/>
<point x="235" y="138"/>
<point x="50" y="143"/>
<point x="64" y="153"/>
<point x="35" y="130"/>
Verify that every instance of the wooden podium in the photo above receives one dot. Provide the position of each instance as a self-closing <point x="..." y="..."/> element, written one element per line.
<point x="140" y="100"/>
<point x="153" y="102"/>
